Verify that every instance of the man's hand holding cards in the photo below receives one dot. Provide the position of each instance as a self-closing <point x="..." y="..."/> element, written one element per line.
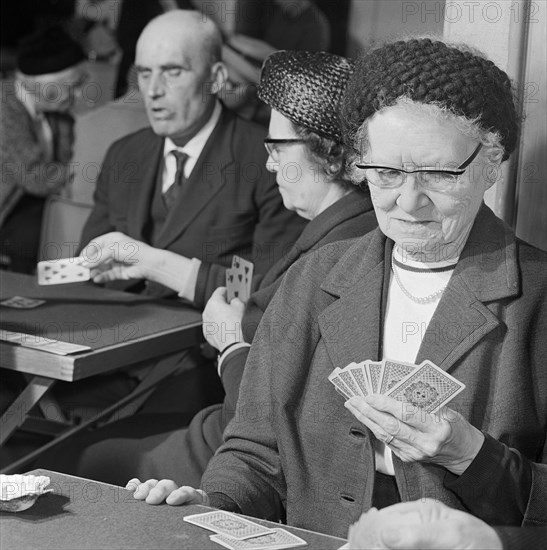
<point x="62" y="271"/>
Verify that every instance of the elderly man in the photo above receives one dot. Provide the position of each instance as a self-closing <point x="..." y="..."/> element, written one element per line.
<point x="35" y="139"/>
<point x="195" y="185"/>
<point x="195" y="182"/>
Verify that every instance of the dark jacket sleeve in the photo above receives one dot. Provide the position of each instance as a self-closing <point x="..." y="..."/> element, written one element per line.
<point x="503" y="474"/>
<point x="522" y="538"/>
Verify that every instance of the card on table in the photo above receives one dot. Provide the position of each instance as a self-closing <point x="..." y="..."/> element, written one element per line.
<point x="278" y="539"/>
<point x="35" y="341"/>
<point x="62" y="271"/>
<point x="20" y="302"/>
<point x="225" y="523"/>
<point x="428" y="387"/>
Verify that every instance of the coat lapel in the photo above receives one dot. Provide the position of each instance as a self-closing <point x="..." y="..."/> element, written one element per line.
<point x="212" y="171"/>
<point x="350" y="326"/>
<point x="486" y="271"/>
<point x="149" y="162"/>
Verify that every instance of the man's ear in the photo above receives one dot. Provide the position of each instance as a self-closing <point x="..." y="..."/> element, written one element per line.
<point x="219" y="76"/>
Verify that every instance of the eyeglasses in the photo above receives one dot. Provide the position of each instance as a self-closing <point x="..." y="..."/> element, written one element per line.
<point x="389" y="177"/>
<point x="270" y="143"/>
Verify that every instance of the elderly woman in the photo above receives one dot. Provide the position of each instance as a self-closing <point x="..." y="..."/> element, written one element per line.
<point x="306" y="154"/>
<point x="443" y="280"/>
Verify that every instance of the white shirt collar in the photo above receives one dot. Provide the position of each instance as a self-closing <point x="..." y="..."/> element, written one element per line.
<point x="195" y="146"/>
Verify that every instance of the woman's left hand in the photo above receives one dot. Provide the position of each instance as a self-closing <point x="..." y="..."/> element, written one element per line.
<point x="222" y="320"/>
<point x="443" y="438"/>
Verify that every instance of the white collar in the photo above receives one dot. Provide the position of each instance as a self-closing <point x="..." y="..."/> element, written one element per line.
<point x="194" y="147"/>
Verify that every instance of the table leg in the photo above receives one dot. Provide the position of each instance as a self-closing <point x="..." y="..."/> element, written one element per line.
<point x="19" y="409"/>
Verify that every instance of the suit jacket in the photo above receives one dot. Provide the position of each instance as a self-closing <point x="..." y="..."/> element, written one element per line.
<point x="293" y="440"/>
<point x="230" y="203"/>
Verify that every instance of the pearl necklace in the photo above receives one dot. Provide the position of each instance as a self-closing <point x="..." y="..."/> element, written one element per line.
<point x="418" y="300"/>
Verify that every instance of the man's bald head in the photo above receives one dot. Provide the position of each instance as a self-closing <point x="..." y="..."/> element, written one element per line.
<point x="179" y="69"/>
<point x="187" y="27"/>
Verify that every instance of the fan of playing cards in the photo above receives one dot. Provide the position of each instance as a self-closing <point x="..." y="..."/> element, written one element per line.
<point x="238" y="533"/>
<point x="425" y="385"/>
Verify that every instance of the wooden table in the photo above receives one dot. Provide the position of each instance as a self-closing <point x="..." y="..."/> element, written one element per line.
<point x="120" y="328"/>
<point x="87" y="514"/>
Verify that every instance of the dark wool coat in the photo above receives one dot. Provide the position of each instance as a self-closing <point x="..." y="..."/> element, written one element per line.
<point x="293" y="442"/>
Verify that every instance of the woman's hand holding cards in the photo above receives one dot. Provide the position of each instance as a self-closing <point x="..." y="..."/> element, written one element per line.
<point x="166" y="490"/>
<point x="222" y="320"/>
<point x="444" y="438"/>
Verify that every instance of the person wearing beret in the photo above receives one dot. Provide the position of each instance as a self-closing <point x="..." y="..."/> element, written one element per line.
<point x="441" y="279"/>
<point x="36" y="137"/>
<point x="305" y="153"/>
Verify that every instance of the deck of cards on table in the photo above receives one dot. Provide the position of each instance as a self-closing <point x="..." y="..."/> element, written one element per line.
<point x="425" y="385"/>
<point x="239" y="279"/>
<point x="62" y="271"/>
<point x="236" y="532"/>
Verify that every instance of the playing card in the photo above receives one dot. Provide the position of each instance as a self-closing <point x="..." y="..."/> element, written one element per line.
<point x="62" y="271"/>
<point x="276" y="540"/>
<point x="20" y="302"/>
<point x="243" y="274"/>
<point x="335" y="380"/>
<point x="428" y="387"/>
<point x="232" y="291"/>
<point x="226" y="523"/>
<point x="348" y="380"/>
<point x="373" y="370"/>
<point x="359" y="377"/>
<point x="392" y="373"/>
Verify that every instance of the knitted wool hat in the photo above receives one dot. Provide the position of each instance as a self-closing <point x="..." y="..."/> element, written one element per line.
<point x="48" y="51"/>
<point x="429" y="71"/>
<point x="306" y="87"/>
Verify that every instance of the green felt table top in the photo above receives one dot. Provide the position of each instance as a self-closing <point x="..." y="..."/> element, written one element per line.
<point x="87" y="514"/>
<point x="83" y="313"/>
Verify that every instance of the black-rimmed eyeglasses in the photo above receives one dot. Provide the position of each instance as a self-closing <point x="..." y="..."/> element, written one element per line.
<point x="390" y="177"/>
<point x="270" y="143"/>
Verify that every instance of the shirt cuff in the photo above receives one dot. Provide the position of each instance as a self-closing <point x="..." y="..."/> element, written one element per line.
<point x="188" y="289"/>
<point x="227" y="352"/>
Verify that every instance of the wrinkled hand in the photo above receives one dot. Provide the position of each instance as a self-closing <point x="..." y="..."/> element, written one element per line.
<point x="222" y="320"/>
<point x="115" y="256"/>
<point x="443" y="438"/>
<point x="424" y="524"/>
<point x="166" y="490"/>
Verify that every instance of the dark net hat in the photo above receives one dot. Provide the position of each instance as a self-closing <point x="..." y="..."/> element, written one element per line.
<point x="307" y="88"/>
<point x="430" y="71"/>
<point x="48" y="51"/>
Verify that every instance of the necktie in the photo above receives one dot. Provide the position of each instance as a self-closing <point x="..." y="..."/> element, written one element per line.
<point x="170" y="196"/>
